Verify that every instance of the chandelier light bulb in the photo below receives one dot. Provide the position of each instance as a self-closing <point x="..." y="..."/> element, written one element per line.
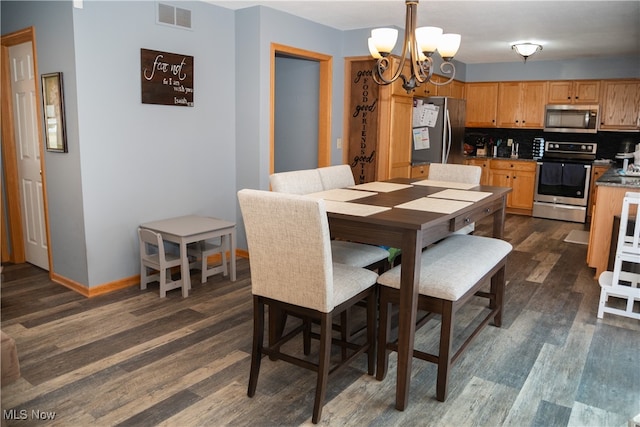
<point x="449" y="45"/>
<point x="428" y="38"/>
<point x="372" y="49"/>
<point x="384" y="39"/>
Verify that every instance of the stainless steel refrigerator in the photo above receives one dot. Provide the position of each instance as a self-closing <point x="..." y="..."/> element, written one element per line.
<point x="438" y="130"/>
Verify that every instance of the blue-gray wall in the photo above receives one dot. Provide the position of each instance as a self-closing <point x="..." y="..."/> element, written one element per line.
<point x="55" y="42"/>
<point x="130" y="162"/>
<point x="533" y="69"/>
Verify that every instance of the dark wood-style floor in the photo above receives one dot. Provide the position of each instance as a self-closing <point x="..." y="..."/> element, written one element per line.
<point x="131" y="358"/>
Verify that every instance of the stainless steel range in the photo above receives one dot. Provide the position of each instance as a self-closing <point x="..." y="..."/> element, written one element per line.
<point x="563" y="176"/>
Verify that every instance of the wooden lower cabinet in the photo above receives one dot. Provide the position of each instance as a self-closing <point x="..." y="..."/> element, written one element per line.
<point x="484" y="164"/>
<point x="420" y="171"/>
<point x="609" y="204"/>
<point x="520" y="175"/>
<point x="597" y="172"/>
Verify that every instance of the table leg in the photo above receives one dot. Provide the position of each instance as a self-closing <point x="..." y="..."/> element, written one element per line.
<point x="184" y="271"/>
<point x="409" y="280"/>
<point x="498" y="220"/>
<point x="233" y="255"/>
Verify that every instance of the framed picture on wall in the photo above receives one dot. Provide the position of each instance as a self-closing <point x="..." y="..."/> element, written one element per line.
<point x="53" y="100"/>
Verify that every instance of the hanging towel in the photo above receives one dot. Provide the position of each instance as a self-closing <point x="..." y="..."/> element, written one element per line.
<point x="573" y="175"/>
<point x="551" y="174"/>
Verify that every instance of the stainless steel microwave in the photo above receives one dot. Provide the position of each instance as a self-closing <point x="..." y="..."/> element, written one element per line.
<point x="571" y="118"/>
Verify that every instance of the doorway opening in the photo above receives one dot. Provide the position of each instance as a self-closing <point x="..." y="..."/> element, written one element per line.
<point x="323" y="73"/>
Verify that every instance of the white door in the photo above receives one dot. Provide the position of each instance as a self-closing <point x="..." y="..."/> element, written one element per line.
<point x="25" y="115"/>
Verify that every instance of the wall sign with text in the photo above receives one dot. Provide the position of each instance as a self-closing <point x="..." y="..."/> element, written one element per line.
<point x="363" y="121"/>
<point x="167" y="78"/>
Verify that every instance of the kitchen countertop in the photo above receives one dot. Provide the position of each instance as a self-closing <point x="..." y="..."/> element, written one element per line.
<point x="613" y="178"/>
<point x="500" y="158"/>
<point x="477" y="157"/>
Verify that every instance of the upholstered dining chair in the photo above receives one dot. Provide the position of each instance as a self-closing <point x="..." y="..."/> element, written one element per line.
<point x="465" y="174"/>
<point x="451" y="273"/>
<point x="338" y="176"/>
<point x="153" y="257"/>
<point x="309" y="181"/>
<point x="304" y="181"/>
<point x="343" y="252"/>
<point x="292" y="270"/>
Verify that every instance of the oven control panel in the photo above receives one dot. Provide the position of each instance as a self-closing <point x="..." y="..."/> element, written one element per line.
<point x="571" y="148"/>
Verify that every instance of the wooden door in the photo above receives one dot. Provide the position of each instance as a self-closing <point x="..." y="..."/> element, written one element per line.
<point x="28" y="154"/>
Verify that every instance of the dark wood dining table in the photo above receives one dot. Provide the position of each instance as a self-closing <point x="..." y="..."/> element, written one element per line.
<point x="411" y="231"/>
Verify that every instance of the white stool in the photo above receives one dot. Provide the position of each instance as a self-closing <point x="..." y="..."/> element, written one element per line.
<point x="623" y="283"/>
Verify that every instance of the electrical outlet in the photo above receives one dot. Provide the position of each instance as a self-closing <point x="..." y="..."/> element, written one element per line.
<point x="339" y="142"/>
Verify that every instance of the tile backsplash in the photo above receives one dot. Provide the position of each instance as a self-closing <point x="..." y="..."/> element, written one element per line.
<point x="608" y="142"/>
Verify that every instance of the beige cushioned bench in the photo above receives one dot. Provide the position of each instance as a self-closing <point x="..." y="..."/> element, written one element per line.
<point x="451" y="273"/>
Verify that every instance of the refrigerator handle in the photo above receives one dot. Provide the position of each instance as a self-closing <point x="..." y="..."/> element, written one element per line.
<point x="447" y="149"/>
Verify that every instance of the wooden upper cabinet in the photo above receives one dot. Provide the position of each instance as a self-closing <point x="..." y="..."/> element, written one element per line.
<point x="428" y="89"/>
<point x="482" y="104"/>
<point x="455" y="89"/>
<point x="620" y="105"/>
<point x="521" y="104"/>
<point x="534" y="98"/>
<point x="509" y="100"/>
<point x="574" y="92"/>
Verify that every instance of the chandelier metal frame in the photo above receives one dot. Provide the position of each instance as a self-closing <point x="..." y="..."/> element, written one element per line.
<point x="422" y="66"/>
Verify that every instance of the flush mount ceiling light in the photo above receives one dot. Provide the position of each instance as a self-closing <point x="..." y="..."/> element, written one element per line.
<point x="421" y="43"/>
<point x="526" y="49"/>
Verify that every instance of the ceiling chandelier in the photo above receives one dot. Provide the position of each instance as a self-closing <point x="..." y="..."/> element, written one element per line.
<point x="421" y="43"/>
<point x="526" y="49"/>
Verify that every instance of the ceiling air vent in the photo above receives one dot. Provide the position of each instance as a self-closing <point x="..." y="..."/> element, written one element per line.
<point x="174" y="16"/>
